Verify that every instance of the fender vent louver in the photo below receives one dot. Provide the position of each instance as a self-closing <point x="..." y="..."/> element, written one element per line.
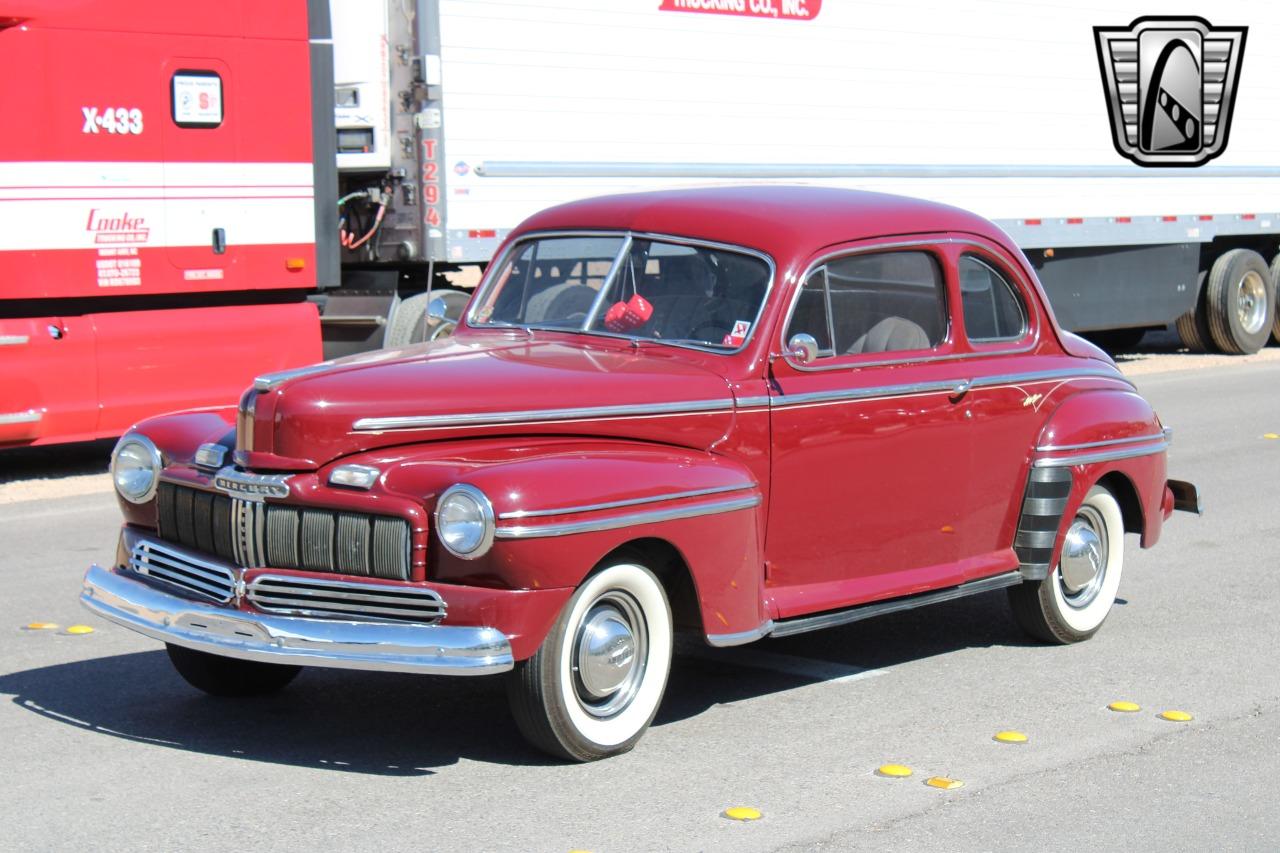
<point x="1042" y="508"/>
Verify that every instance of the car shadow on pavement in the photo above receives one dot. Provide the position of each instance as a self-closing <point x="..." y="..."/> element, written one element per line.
<point x="405" y="725"/>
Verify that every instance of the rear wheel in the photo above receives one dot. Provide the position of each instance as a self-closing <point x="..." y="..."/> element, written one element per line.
<point x="1071" y="604"/>
<point x="1275" y="288"/>
<point x="222" y="676"/>
<point x="1193" y="326"/>
<point x="593" y="687"/>
<point x="1241" y="302"/>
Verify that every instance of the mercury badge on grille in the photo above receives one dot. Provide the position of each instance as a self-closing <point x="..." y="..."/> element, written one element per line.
<point x="251" y="487"/>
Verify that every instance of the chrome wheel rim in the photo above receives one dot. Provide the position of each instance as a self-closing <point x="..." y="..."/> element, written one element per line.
<point x="1083" y="566"/>
<point x="1251" y="302"/>
<point x="609" y="655"/>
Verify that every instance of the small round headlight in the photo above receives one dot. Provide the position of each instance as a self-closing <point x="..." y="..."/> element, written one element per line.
<point x="135" y="468"/>
<point x="464" y="521"/>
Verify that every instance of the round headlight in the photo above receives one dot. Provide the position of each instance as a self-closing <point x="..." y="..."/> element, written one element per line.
<point x="135" y="468"/>
<point x="464" y="521"/>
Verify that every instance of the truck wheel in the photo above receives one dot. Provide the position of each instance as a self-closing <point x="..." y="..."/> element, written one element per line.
<point x="410" y="324"/>
<point x="1193" y="326"/>
<point x="593" y="687"/>
<point x="1275" y="288"/>
<point x="1071" y="603"/>
<point x="220" y="676"/>
<point x="1241" y="302"/>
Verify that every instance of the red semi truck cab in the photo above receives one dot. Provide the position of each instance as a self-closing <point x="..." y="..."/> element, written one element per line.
<point x="157" y="208"/>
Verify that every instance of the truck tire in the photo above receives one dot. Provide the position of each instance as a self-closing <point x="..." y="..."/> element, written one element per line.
<point x="222" y="676"/>
<point x="1193" y="326"/>
<point x="410" y="324"/>
<point x="592" y="688"/>
<point x="1275" y="288"/>
<point x="1241" y="302"/>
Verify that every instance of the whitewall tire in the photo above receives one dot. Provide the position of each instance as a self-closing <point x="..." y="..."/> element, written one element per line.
<point x="1071" y="604"/>
<point x="593" y="687"/>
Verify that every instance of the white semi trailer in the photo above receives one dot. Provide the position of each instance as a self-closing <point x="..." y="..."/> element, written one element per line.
<point x="456" y="119"/>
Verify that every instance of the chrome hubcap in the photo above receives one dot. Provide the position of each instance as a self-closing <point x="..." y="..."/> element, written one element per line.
<point x="609" y="654"/>
<point x="1251" y="305"/>
<point x="1084" y="558"/>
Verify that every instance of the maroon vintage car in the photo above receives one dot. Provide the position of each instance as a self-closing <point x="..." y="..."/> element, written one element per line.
<point x="740" y="412"/>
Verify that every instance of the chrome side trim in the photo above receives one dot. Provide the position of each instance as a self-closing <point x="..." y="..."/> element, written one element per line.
<point x="801" y="624"/>
<point x="947" y="385"/>
<point x="722" y="641"/>
<point x="1111" y="442"/>
<point x="670" y="496"/>
<point x="1104" y="456"/>
<point x="648" y="517"/>
<point x="30" y="416"/>
<point x="751" y="402"/>
<point x="13" y="340"/>
<point x="641" y="169"/>
<point x="337" y="643"/>
<point x="539" y="415"/>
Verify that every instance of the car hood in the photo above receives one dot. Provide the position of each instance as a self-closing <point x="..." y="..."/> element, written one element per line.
<point x="490" y="385"/>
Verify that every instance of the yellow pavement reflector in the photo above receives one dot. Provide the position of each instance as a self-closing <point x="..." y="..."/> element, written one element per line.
<point x="1176" y="716"/>
<point x="79" y="629"/>
<point x="944" y="783"/>
<point x="1011" y="737"/>
<point x="1271" y="435"/>
<point x="742" y="813"/>
<point x="894" y="771"/>
<point x="1125" y="707"/>
<point x="41" y="626"/>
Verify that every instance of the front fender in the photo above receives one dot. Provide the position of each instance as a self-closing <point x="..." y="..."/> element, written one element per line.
<point x="178" y="436"/>
<point x="562" y="506"/>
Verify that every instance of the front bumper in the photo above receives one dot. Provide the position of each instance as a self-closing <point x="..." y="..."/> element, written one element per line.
<point x="383" y="646"/>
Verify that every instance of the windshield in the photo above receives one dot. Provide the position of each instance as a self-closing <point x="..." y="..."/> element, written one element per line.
<point x="632" y="287"/>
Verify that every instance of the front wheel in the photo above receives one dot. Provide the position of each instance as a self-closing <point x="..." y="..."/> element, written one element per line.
<point x="1071" y="603"/>
<point x="222" y="676"/>
<point x="594" y="685"/>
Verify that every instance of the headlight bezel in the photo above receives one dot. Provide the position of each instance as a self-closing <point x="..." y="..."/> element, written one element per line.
<point x="487" y="519"/>
<point x="152" y="454"/>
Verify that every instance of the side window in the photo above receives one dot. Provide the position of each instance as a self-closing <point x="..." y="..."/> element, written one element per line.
<point x="992" y="309"/>
<point x="874" y="303"/>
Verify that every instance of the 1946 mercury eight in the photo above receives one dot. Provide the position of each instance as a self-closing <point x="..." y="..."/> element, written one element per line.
<point x="742" y="412"/>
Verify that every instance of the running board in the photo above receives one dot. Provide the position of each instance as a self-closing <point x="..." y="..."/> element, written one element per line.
<point x="878" y="608"/>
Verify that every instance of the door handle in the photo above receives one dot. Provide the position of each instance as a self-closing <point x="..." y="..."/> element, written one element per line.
<point x="961" y="388"/>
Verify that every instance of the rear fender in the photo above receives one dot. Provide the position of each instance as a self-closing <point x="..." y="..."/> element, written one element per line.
<point x="1091" y="436"/>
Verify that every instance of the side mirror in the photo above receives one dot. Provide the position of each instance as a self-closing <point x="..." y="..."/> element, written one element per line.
<point x="437" y="312"/>
<point x="802" y="348"/>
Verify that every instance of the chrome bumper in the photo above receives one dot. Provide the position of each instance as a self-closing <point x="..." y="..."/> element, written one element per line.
<point x="383" y="646"/>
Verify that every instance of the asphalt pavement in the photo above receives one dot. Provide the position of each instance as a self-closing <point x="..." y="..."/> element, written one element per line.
<point x="102" y="746"/>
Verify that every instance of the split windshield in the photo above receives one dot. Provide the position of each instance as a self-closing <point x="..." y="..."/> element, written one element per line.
<point x="630" y="287"/>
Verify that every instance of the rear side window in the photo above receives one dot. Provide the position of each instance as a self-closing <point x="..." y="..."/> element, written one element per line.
<point x="992" y="309"/>
<point x="874" y="303"/>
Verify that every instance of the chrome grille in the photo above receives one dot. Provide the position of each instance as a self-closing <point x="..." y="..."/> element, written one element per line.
<point x="321" y="597"/>
<point x="181" y="569"/>
<point x="254" y="534"/>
